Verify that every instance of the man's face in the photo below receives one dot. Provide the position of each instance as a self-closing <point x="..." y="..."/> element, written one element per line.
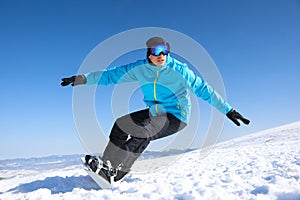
<point x="159" y="60"/>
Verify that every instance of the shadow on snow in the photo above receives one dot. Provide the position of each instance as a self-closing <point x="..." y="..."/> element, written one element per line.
<point x="57" y="184"/>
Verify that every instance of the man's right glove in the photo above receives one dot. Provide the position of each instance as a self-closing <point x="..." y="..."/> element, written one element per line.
<point x="74" y="80"/>
<point x="234" y="116"/>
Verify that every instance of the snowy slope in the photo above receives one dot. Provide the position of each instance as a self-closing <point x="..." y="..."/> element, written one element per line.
<point x="264" y="165"/>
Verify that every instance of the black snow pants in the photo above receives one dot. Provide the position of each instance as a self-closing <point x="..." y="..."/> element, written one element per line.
<point x="132" y="133"/>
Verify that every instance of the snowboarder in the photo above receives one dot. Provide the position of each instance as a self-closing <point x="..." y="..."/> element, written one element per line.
<point x="164" y="82"/>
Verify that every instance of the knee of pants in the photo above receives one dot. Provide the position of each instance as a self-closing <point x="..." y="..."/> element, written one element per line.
<point x="117" y="132"/>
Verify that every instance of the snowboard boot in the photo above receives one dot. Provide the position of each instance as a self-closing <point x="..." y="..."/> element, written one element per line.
<point x="111" y="174"/>
<point x="120" y="175"/>
<point x="100" y="168"/>
<point x="104" y="173"/>
<point x="121" y="172"/>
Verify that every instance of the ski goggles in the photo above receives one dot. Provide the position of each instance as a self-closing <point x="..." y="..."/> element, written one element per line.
<point x="161" y="48"/>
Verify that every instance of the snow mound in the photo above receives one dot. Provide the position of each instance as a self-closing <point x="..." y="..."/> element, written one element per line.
<point x="264" y="165"/>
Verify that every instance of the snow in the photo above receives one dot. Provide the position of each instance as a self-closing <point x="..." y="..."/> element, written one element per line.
<point x="264" y="165"/>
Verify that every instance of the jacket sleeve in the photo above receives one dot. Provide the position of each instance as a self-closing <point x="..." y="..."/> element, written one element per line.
<point x="113" y="75"/>
<point x="203" y="90"/>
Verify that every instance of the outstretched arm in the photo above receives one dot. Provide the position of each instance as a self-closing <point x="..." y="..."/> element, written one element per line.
<point x="113" y="75"/>
<point x="203" y="90"/>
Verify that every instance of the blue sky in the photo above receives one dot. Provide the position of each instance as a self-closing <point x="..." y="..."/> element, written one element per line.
<point x="255" y="44"/>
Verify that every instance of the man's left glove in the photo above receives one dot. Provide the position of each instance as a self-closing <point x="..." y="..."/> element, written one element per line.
<point x="234" y="116"/>
<point x="74" y="80"/>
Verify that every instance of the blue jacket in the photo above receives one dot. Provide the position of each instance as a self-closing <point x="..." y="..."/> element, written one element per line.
<point x="165" y="88"/>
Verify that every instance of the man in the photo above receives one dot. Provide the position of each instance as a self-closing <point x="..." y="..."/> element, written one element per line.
<point x="165" y="82"/>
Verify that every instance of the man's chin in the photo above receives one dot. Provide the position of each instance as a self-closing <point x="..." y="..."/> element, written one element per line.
<point x="160" y="64"/>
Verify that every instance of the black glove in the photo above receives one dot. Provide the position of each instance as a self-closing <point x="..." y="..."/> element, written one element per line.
<point x="234" y="116"/>
<point x="74" y="80"/>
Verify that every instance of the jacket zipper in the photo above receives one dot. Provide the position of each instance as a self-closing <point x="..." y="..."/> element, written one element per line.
<point x="154" y="92"/>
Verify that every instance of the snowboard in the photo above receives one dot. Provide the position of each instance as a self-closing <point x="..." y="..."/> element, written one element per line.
<point x="101" y="182"/>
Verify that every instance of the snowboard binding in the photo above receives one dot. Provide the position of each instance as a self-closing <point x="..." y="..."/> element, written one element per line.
<point x="105" y="169"/>
<point x="93" y="162"/>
